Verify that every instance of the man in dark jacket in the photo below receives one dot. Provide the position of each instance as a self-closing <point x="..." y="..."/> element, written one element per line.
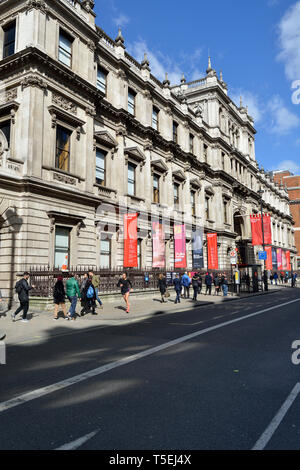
<point x="22" y="288"/>
<point x="208" y="282"/>
<point x="177" y="287"/>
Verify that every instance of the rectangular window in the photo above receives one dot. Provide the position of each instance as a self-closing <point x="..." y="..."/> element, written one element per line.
<point x="65" y="49"/>
<point x="156" y="188"/>
<point x="131" y="180"/>
<point x="105" y="254"/>
<point x="176" y="194"/>
<point x="101" y="80"/>
<point x="139" y="253"/>
<point x="155" y="118"/>
<point x="100" y="167"/>
<point x="175" y="132"/>
<point x="62" y="248"/>
<point x="5" y="127"/>
<point x="63" y="138"/>
<point x="191" y="143"/>
<point x="131" y="102"/>
<point x="9" y="39"/>
<point x="225" y="212"/>
<point x="193" y="202"/>
<point x="207" y="208"/>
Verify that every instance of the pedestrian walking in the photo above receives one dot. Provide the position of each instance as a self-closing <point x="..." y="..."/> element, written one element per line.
<point x="177" y="286"/>
<point x="275" y="276"/>
<point x="22" y="288"/>
<point x="186" y="283"/>
<point x="162" y="286"/>
<point x="96" y="284"/>
<point x="88" y="297"/>
<point x="224" y="285"/>
<point x="195" y="285"/>
<point x="217" y="284"/>
<point x="126" y="288"/>
<point x="199" y="283"/>
<point x="208" y="283"/>
<point x="73" y="294"/>
<point x="59" y="297"/>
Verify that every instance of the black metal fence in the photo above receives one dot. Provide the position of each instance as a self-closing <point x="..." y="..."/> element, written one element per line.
<point x="44" y="278"/>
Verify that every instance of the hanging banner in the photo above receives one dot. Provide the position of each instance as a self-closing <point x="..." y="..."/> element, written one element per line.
<point x="279" y="258"/>
<point x="274" y="259"/>
<point x="180" y="246"/>
<point x="269" y="262"/>
<point x="284" y="264"/>
<point x="256" y="230"/>
<point x="288" y="260"/>
<point x="130" y="241"/>
<point x="267" y="230"/>
<point x="212" y="251"/>
<point x="158" y="245"/>
<point x="197" y="246"/>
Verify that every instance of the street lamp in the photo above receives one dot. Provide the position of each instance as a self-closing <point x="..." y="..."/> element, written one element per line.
<point x="265" y="278"/>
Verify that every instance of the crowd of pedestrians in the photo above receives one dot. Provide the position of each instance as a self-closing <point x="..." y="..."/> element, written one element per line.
<point x="87" y="290"/>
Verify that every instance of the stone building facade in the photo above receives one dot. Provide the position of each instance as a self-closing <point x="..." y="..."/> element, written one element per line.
<point x="88" y="133"/>
<point x="292" y="183"/>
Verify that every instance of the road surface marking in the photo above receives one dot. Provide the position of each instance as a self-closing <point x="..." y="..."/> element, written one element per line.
<point x="269" y="432"/>
<point x="38" y="393"/>
<point x="79" y="442"/>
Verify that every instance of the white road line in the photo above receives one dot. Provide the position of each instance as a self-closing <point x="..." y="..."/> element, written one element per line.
<point x="38" y="393"/>
<point x="269" y="432"/>
<point x="79" y="442"/>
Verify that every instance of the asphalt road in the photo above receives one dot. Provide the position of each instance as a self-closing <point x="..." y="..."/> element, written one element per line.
<point x="217" y="379"/>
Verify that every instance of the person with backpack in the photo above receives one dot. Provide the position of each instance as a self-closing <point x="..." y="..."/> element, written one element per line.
<point x="96" y="284"/>
<point x="22" y="288"/>
<point x="73" y="294"/>
<point x="126" y="288"/>
<point x="88" y="297"/>
<point x="59" y="297"/>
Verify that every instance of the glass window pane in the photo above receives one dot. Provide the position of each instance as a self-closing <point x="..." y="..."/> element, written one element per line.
<point x="62" y="148"/>
<point x="62" y="236"/>
<point x="100" y="167"/>
<point x="101" y="80"/>
<point x="105" y="253"/>
<point x="5" y="128"/>
<point x="131" y="180"/>
<point x="9" y="40"/>
<point x="65" y="50"/>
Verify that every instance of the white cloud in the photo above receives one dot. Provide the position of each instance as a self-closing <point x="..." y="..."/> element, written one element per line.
<point x="121" y="20"/>
<point x="291" y="165"/>
<point x="289" y="40"/>
<point x="283" y="121"/>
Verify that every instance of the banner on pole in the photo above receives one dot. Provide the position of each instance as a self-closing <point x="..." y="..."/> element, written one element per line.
<point x="284" y="264"/>
<point x="212" y="251"/>
<point x="197" y="246"/>
<point x="269" y="261"/>
<point x="274" y="259"/>
<point x="158" y="245"/>
<point x="279" y="258"/>
<point x="130" y="241"/>
<point x="180" y="246"/>
<point x="267" y="229"/>
<point x="256" y="230"/>
<point x="288" y="260"/>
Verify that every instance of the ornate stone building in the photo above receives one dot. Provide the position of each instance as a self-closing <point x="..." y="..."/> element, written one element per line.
<point x="86" y="131"/>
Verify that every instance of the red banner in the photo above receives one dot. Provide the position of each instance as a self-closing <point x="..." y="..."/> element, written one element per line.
<point x="158" y="239"/>
<point x="267" y="229"/>
<point x="212" y="251"/>
<point x="284" y="265"/>
<point x="130" y="241"/>
<point x="180" y="246"/>
<point x="269" y="263"/>
<point x="279" y="258"/>
<point x="256" y="229"/>
<point x="288" y="260"/>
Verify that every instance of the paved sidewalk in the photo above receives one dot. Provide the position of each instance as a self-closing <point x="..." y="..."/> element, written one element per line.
<point x="41" y="324"/>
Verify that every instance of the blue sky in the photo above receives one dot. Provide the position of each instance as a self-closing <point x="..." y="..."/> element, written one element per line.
<point x="255" y="43"/>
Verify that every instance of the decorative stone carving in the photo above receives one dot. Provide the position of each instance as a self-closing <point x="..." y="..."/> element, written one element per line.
<point x="38" y="5"/>
<point x="8" y="95"/>
<point x="64" y="179"/>
<point x="33" y="81"/>
<point x="64" y="103"/>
